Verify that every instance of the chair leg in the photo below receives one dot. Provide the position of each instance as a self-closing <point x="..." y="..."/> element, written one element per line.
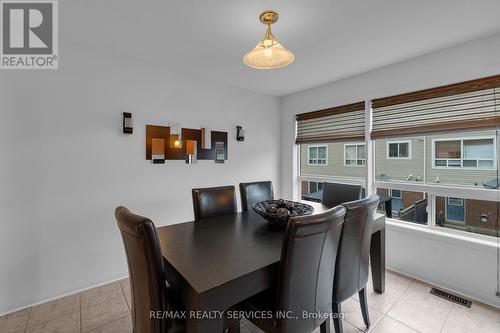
<point x="364" y="306"/>
<point x="325" y="327"/>
<point x="337" y="322"/>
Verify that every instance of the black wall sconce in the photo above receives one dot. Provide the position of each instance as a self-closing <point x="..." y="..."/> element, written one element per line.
<point x="128" y="127"/>
<point x="240" y="133"/>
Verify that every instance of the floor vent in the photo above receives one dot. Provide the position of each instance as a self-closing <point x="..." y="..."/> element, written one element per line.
<point x="450" y="297"/>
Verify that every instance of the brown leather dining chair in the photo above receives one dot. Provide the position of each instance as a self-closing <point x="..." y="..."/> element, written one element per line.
<point x="305" y="276"/>
<point x="336" y="194"/>
<point x="351" y="270"/>
<point x="150" y="290"/>
<point x="255" y="192"/>
<point x="213" y="201"/>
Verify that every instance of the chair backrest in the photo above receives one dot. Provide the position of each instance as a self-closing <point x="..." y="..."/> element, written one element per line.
<point x="255" y="192"/>
<point x="145" y="266"/>
<point x="213" y="201"/>
<point x="351" y="271"/>
<point x="307" y="268"/>
<point x="335" y="194"/>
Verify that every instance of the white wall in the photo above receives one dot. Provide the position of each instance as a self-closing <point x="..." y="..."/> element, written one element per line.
<point x="415" y="256"/>
<point x="65" y="165"/>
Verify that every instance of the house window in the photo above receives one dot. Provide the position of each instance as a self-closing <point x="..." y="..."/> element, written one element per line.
<point x="464" y="153"/>
<point x="396" y="194"/>
<point x="397" y="201"/>
<point x="315" y="187"/>
<point x="354" y="155"/>
<point x="317" y="155"/>
<point x="399" y="149"/>
<point x="455" y="201"/>
<point x="455" y="210"/>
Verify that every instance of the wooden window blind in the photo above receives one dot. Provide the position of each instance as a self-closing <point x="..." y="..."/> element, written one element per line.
<point x="471" y="104"/>
<point x="345" y="122"/>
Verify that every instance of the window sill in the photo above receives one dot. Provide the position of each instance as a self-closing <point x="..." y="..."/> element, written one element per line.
<point x="476" y="242"/>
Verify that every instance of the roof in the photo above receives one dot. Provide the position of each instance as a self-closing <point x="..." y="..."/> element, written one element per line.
<point x="492" y="184"/>
<point x="318" y="195"/>
<point x="314" y="196"/>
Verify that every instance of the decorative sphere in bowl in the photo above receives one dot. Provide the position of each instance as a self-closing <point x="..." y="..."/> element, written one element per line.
<point x="283" y="212"/>
<point x="278" y="212"/>
<point x="272" y="208"/>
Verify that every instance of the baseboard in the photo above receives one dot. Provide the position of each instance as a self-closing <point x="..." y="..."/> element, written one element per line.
<point x="61" y="296"/>
<point x="121" y="278"/>
<point x="483" y="300"/>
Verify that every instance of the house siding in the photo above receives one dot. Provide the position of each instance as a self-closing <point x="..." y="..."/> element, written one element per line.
<point x="399" y="169"/>
<point x="420" y="163"/>
<point x="335" y="166"/>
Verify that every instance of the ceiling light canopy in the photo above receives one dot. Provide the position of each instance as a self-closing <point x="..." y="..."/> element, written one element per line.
<point x="269" y="53"/>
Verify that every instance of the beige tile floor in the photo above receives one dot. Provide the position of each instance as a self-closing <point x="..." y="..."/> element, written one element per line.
<point x="405" y="307"/>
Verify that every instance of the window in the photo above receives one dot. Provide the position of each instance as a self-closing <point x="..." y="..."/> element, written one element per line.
<point x="474" y="153"/>
<point x="317" y="155"/>
<point x="311" y="191"/>
<point x="408" y="206"/>
<point x="396" y="194"/>
<point x="335" y="171"/>
<point x="455" y="201"/>
<point x="315" y="187"/>
<point x="471" y="215"/>
<point x="455" y="210"/>
<point x="454" y="195"/>
<point x="398" y="149"/>
<point x="441" y="171"/>
<point x="354" y="155"/>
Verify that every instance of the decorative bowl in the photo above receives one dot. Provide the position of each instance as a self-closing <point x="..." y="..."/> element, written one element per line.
<point x="278" y="212"/>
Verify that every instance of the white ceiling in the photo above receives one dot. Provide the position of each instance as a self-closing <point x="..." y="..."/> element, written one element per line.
<point x="331" y="39"/>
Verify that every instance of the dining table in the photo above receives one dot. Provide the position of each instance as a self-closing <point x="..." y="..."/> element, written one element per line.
<point x="215" y="263"/>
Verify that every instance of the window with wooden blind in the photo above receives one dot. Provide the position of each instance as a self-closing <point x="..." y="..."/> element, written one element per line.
<point x="332" y="148"/>
<point x="467" y="105"/>
<point x="432" y="154"/>
<point x="335" y="124"/>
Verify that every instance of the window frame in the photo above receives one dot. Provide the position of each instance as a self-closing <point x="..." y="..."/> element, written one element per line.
<point x="461" y="159"/>
<point x="317" y="158"/>
<point x="357" y="145"/>
<point x="398" y="142"/>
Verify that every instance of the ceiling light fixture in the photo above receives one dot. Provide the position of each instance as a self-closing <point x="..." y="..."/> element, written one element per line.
<point x="269" y="53"/>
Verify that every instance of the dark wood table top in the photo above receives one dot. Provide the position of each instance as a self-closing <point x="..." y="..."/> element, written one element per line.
<point x="213" y="252"/>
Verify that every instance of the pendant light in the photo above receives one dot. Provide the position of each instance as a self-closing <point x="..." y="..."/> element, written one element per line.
<point x="269" y="53"/>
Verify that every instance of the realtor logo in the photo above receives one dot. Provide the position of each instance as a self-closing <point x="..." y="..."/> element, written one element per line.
<point x="29" y="33"/>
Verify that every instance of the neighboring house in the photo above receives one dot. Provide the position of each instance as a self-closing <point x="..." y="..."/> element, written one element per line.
<point x="477" y="216"/>
<point x="342" y="160"/>
<point x="468" y="159"/>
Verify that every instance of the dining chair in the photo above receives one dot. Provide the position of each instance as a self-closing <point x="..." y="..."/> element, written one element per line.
<point x="335" y="194"/>
<point x="351" y="268"/>
<point x="255" y="192"/>
<point x="213" y="201"/>
<point x="150" y="289"/>
<point x="305" y="276"/>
